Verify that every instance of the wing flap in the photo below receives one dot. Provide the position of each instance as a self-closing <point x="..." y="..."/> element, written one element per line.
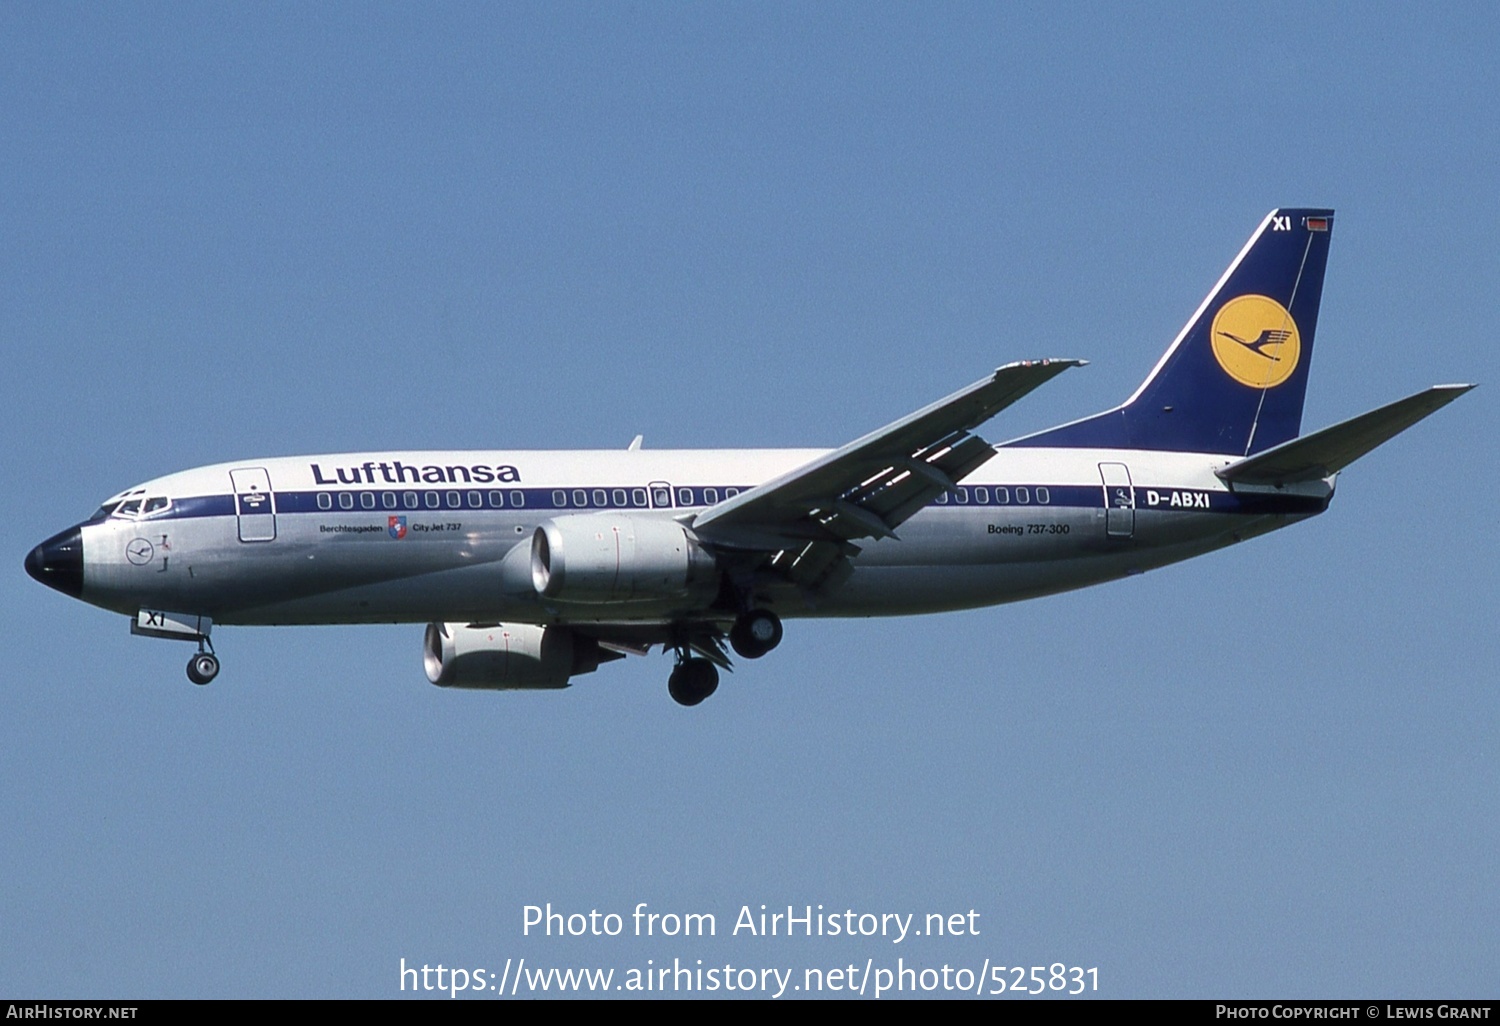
<point x="1330" y="450"/>
<point x="870" y="486"/>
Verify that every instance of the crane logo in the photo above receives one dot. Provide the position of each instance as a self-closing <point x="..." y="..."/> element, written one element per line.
<point x="1256" y="341"/>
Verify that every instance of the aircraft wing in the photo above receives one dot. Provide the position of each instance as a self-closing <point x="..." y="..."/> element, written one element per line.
<point x="1326" y="452"/>
<point x="869" y="487"/>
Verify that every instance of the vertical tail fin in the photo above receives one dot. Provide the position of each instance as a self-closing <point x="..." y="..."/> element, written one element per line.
<point x="1234" y="379"/>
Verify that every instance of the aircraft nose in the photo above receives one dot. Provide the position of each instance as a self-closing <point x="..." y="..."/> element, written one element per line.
<point x="58" y="562"/>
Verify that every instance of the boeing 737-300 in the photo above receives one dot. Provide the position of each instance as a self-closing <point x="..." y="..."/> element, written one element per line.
<point x="531" y="568"/>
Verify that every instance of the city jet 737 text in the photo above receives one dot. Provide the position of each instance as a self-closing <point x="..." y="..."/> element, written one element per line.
<point x="531" y="568"/>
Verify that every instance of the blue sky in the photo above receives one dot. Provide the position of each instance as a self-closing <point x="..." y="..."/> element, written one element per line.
<point x="276" y="229"/>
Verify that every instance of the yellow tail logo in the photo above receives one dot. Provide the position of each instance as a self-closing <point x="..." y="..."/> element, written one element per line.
<point x="1256" y="341"/>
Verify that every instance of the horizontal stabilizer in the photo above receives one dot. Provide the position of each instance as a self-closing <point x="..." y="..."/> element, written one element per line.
<point x="1326" y="452"/>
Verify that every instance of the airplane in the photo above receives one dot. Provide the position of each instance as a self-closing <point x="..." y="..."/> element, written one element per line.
<point x="531" y="568"/>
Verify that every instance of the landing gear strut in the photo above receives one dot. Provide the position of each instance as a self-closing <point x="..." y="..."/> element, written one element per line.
<point x="203" y="667"/>
<point x="692" y="681"/>
<point x="755" y="633"/>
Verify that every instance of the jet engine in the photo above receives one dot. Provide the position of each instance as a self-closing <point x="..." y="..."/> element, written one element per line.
<point x="508" y="656"/>
<point x="605" y="557"/>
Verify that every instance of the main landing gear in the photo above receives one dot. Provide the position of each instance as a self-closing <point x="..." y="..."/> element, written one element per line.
<point x="693" y="680"/>
<point x="755" y="633"/>
<point x="203" y="667"/>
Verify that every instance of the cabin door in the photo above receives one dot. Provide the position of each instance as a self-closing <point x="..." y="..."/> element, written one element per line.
<point x="1119" y="500"/>
<point x="254" y="505"/>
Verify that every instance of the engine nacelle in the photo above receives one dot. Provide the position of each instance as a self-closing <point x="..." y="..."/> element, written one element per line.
<point x="607" y="557"/>
<point x="509" y="656"/>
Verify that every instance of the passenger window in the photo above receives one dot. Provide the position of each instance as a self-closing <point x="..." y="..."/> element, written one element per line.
<point x="432" y="499"/>
<point x="388" y="500"/>
<point x="661" y="496"/>
<point x="619" y="497"/>
<point x="1022" y="495"/>
<point x="982" y="495"/>
<point x="475" y="500"/>
<point x="346" y="500"/>
<point x="325" y="501"/>
<point x="367" y="500"/>
<point x="942" y="499"/>
<point x="600" y="498"/>
<point x="409" y="500"/>
<point x="730" y="493"/>
<point x="684" y="496"/>
<point x="962" y="496"/>
<point x="580" y="498"/>
<point x="1002" y="495"/>
<point x="1043" y="496"/>
<point x="455" y="501"/>
<point x="497" y="499"/>
<point x="710" y="496"/>
<point x="560" y="499"/>
<point x="518" y="499"/>
<point x="638" y="496"/>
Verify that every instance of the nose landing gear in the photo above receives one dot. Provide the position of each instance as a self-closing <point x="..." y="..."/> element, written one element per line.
<point x="203" y="667"/>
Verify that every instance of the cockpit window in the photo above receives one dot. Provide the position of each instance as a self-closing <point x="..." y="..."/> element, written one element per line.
<point x="155" y="504"/>
<point x="126" y="504"/>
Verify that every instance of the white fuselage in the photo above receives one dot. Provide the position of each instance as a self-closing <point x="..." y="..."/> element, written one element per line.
<point x="447" y="536"/>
